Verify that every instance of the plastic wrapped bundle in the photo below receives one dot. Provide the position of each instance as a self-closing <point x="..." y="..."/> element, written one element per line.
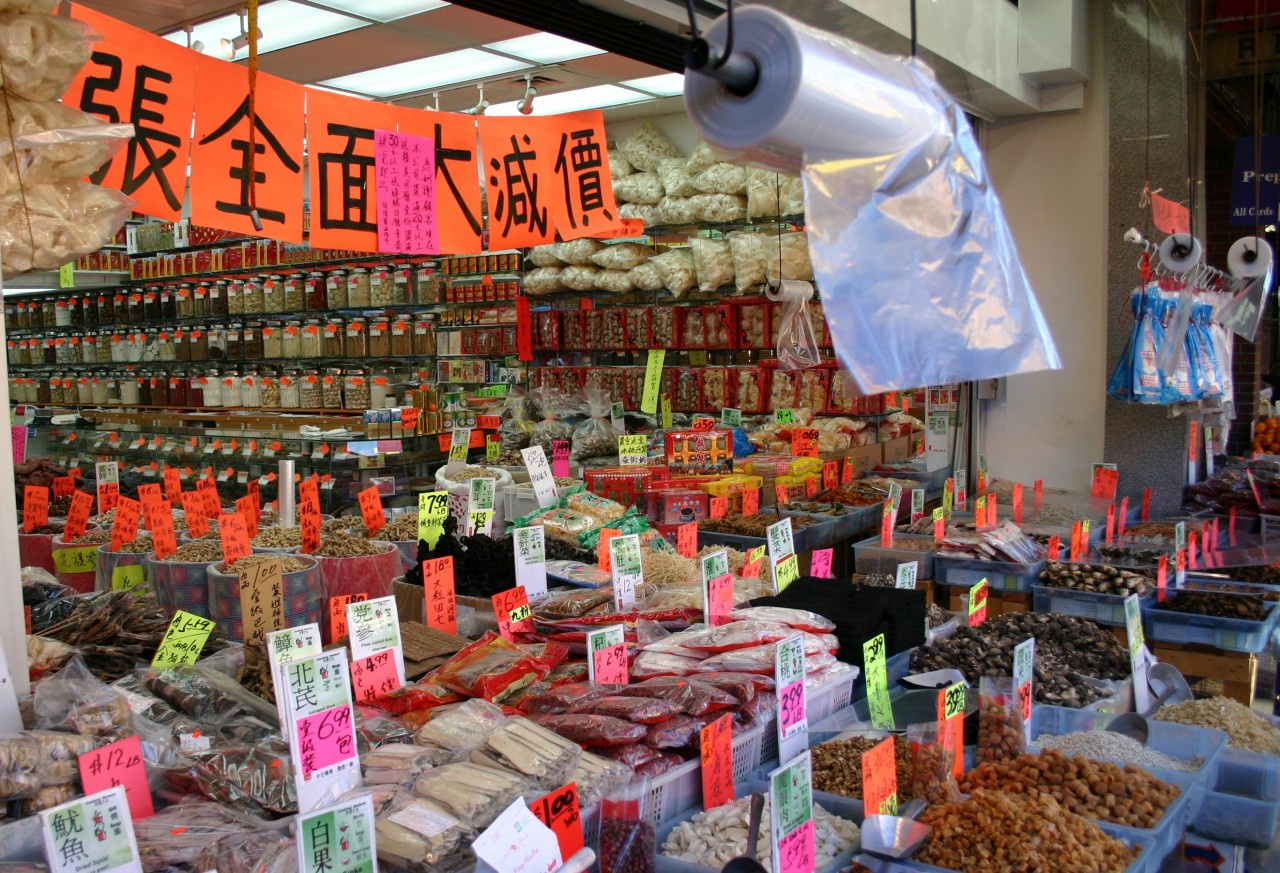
<point x="622" y="256"/>
<point x="644" y="188"/>
<point x="56" y="143"/>
<point x="647" y="147"/>
<point x="712" y="261"/>
<point x="676" y="179"/>
<point x="677" y="270"/>
<point x="48" y="225"/>
<point x="42" y="54"/>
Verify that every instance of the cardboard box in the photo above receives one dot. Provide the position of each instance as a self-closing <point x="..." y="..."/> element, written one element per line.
<point x="863" y="458"/>
<point x="898" y="449"/>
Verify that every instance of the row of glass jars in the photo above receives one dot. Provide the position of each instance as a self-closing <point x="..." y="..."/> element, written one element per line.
<point x="339" y="288"/>
<point x="330" y="388"/>
<point x="355" y="337"/>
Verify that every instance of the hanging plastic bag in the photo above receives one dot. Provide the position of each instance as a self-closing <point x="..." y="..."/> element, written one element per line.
<point x="1242" y="313"/>
<point x="797" y="346"/>
<point x="551" y="429"/>
<point x="628" y="843"/>
<point x="595" y="437"/>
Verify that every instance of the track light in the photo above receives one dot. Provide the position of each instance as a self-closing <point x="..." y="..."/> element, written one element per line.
<point x="481" y="105"/>
<point x="230" y="47"/>
<point x="196" y="45"/>
<point x="525" y="106"/>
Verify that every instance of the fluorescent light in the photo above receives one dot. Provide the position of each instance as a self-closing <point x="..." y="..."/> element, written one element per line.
<point x="283" y="24"/>
<point x="666" y="85"/>
<point x="595" y="97"/>
<point x="544" y="48"/>
<point x="383" y="10"/>
<point x="424" y="74"/>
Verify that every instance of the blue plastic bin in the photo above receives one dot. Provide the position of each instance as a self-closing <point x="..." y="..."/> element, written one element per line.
<point x="1000" y="575"/>
<point x="1102" y="608"/>
<point x="1229" y="634"/>
<point x="1243" y="805"/>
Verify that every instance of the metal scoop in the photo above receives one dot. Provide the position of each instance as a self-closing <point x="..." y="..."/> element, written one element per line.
<point x="1131" y="725"/>
<point x="747" y="863"/>
<point x="892" y="836"/>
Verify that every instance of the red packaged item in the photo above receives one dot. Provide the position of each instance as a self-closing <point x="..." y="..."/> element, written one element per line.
<point x="688" y="396"/>
<point x="659" y="765"/>
<point x="799" y="619"/>
<point x="640" y="710"/>
<point x="417" y="697"/>
<point x="654" y="664"/>
<point x="635" y="755"/>
<point x="694" y="698"/>
<point x="560" y="699"/>
<point x="759" y="710"/>
<point x="636" y="321"/>
<point x="561" y="675"/>
<point x="492" y="668"/>
<point x="760" y="660"/>
<point x="736" y="635"/>
<point x="718" y="389"/>
<point x="740" y="685"/>
<point x="573" y="331"/>
<point x="674" y="733"/>
<point x="592" y="730"/>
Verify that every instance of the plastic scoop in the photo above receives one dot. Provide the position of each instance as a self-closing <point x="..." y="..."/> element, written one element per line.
<point x="1131" y="725"/>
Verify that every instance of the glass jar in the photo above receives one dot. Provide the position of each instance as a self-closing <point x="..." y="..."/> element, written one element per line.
<point x="217" y="337"/>
<point x="44" y="391"/>
<point x="106" y="313"/>
<point x="355" y="388"/>
<point x="159" y="390"/>
<point x="113" y="389"/>
<point x="61" y="315"/>
<point x="251" y="341"/>
<point x="381" y="394"/>
<point x="99" y="385"/>
<point x="231" y="390"/>
<point x="20" y="319"/>
<point x="129" y="390"/>
<point x="381" y="286"/>
<point x="119" y="308"/>
<point x="335" y="289"/>
<point x="75" y="314"/>
<point x="62" y="351"/>
<point x="272" y="340"/>
<point x="135" y="311"/>
<point x="334" y="332"/>
<point x="119" y="349"/>
<point x="168" y="303"/>
<point x="290" y="339"/>
<point x="212" y="384"/>
<point x="404" y="282"/>
<point x="309" y="392"/>
<point x="294" y="298"/>
<point x="379" y="337"/>
<point x="357" y="338"/>
<point x="251" y="296"/>
<point x="312" y="344"/>
<point x="290" y="396"/>
<point x="184" y="304"/>
<point x="196" y="384"/>
<point x="358" y="283"/>
<point x="14" y="353"/>
<point x="428" y="284"/>
<point x="144" y="388"/>
<point x="181" y="345"/>
<point x="178" y="394"/>
<point x="234" y="293"/>
<point x="151" y="304"/>
<point x="164" y="347"/>
<point x="219" y="301"/>
<point x="89" y="310"/>
<point x="251" y="390"/>
<point x="313" y="292"/>
<point x="272" y="293"/>
<point x="198" y="339"/>
<point x="103" y="351"/>
<point x="200" y="300"/>
<point x="234" y="348"/>
<point x="270" y="392"/>
<point x="331" y="388"/>
<point x="401" y="339"/>
<point x="89" y="349"/>
<point x="424" y="337"/>
<point x="84" y="390"/>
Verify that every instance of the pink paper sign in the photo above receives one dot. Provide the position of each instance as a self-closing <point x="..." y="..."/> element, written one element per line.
<point x="791" y="708"/>
<point x="19" y="435"/>
<point x="611" y="665"/>
<point x="820" y="564"/>
<point x="374" y="676"/>
<point x="326" y="739"/>
<point x="796" y="851"/>
<point x="119" y="764"/>
<point x="560" y="458"/>
<point x="719" y="599"/>
<point x="405" y="167"/>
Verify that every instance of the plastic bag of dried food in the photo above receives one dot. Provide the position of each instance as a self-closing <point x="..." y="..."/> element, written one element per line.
<point x="516" y="429"/>
<point x="675" y="177"/>
<point x="572" y="603"/>
<point x="643" y="188"/>
<point x="566" y="697"/>
<point x="597" y="776"/>
<point x="614" y="281"/>
<point x="622" y="256"/>
<point x="675" y="266"/>
<point x="578" y="251"/>
<point x="748" y="251"/>
<point x="674" y="733"/>
<point x="933" y="772"/>
<point x="475" y="794"/>
<point x="492" y="668"/>
<point x="760" y="709"/>
<point x="42" y="54"/>
<point x="554" y="406"/>
<point x="744" y="634"/>
<point x="677" y="210"/>
<point x="659" y="765"/>
<point x="633" y="755"/>
<point x="397" y="763"/>
<point x="57" y="142"/>
<point x="177" y="835"/>
<point x="464" y="727"/>
<point x="787" y="257"/>
<point x="1000" y="730"/>
<point x="592" y="730"/>
<point x="33" y="760"/>
<point x="544" y="280"/>
<point x="246" y="853"/>
<point x="718" y="207"/>
<point x="45" y="226"/>
<point x="628" y="843"/>
<point x="701" y="158"/>
<point x="578" y="278"/>
<point x="722" y="178"/>
<point x="646" y="277"/>
<point x="545" y="256"/>
<point x="595" y="437"/>
<point x="647" y="147"/>
<point x="526" y="747"/>
<point x="416" y="697"/>
<point x="740" y="685"/>
<point x="797" y="345"/>
<point x="561" y="524"/>
<point x="799" y="619"/>
<point x="77" y="701"/>
<point x="602" y="509"/>
<point x="650" y="215"/>
<point x="759" y="660"/>
<point x="415" y="834"/>
<point x="712" y="261"/>
<point x="770" y="194"/>
<point x="651" y="664"/>
<point x="619" y="166"/>
<point x="255" y="778"/>
<point x="641" y="710"/>
<point x="563" y="674"/>
<point x="693" y="697"/>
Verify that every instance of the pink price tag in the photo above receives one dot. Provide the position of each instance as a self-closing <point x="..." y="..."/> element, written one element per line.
<point x="1017" y="503"/>
<point x="791" y="706"/>
<point x="611" y="665"/>
<point x="374" y="676"/>
<point x="560" y="459"/>
<point x="1231" y="526"/>
<point x="820" y="564"/>
<point x="719" y="599"/>
<point x="797" y="851"/>
<point x="119" y="764"/>
<point x="327" y="739"/>
<point x="1192" y="553"/>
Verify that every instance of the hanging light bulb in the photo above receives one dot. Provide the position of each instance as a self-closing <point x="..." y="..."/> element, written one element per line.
<point x="230" y="47"/>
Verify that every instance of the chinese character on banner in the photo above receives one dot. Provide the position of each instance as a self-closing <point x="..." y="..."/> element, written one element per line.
<point x="458" y="216"/>
<point x="583" y="203"/>
<point x="135" y="77"/>
<point x="220" y="157"/>
<point x="518" y="157"/>
<point x="342" y="183"/>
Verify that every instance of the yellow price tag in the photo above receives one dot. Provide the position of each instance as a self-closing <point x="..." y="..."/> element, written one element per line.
<point x="873" y="658"/>
<point x="183" y="640"/>
<point x="653" y="380"/>
<point x="786" y="571"/>
<point x="492" y="450"/>
<point x="954" y="701"/>
<point x="127" y="577"/>
<point x="458" y="448"/>
<point x="67" y="275"/>
<point x="755" y="554"/>
<point x="520" y="613"/>
<point x="633" y="449"/>
<point x="433" y="509"/>
<point x="79" y="560"/>
<point x="666" y="411"/>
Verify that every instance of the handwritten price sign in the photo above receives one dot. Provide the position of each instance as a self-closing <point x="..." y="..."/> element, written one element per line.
<point x="716" y="747"/>
<point x="607" y="653"/>
<point x="1024" y="654"/>
<point x="880" y="778"/>
<point x="951" y="705"/>
<point x="513" y="612"/>
<point x="873" y="657"/>
<point x="121" y="764"/>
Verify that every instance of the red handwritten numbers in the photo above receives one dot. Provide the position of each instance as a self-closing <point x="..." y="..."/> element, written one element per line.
<point x="440" y="602"/>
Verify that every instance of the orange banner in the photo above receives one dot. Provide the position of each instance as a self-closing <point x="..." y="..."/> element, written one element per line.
<point x="220" y="183"/>
<point x="139" y="78"/>
<point x="344" y="208"/>
<point x="582" y="203"/>
<point x="458" y="216"/>
<point x="518" y="156"/>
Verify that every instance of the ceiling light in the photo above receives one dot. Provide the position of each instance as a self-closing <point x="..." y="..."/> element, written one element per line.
<point x="481" y="104"/>
<point x="424" y="74"/>
<point x="284" y="23"/>
<point x="230" y="47"/>
<point x="666" y="85"/>
<point x="525" y="106"/>
<point x="595" y="97"/>
<point x="544" y="48"/>
<point x="197" y="45"/>
<point x="383" y="10"/>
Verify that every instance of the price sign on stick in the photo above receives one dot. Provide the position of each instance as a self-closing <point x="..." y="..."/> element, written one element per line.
<point x="433" y="509"/>
<point x="877" y="669"/>
<point x="880" y="778"/>
<point x="1137" y="653"/>
<point x="652" y="381"/>
<point x="317" y="696"/>
<point x="905" y="577"/>
<point x="182" y="640"/>
<point x="624" y="559"/>
<point x="371" y="509"/>
<point x="375" y="627"/>
<point x="559" y="810"/>
<point x="789" y="672"/>
<point x="121" y="764"/>
<point x="262" y="598"/>
<point x="951" y="705"/>
<point x="439" y="597"/>
<point x="1024" y="654"/>
<point x="544" y="486"/>
<point x="820" y="563"/>
<point x="513" y="612"/>
<point x="978" y="603"/>
<point x="93" y="834"/>
<point x="1017" y="503"/>
<point x="716" y="746"/>
<point x="791" y="816"/>
<point x="687" y="539"/>
<point x="607" y="656"/>
<point x="531" y="559"/>
<point x="341" y="837"/>
<point x="338" y="614"/>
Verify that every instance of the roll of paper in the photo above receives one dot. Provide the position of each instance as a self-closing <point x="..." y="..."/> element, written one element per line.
<point x="1249" y="257"/>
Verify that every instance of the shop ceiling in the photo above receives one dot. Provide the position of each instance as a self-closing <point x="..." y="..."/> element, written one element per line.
<point x="457" y="45"/>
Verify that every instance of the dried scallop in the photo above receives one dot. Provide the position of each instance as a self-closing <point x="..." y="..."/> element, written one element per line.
<point x="713" y="262"/>
<point x="544" y="280"/>
<point x="646" y="147"/>
<point x="643" y="188"/>
<point x="622" y="256"/>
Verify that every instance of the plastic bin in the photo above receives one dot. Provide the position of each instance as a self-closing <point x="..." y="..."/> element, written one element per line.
<point x="898" y="665"/>
<point x="841" y="806"/>
<point x="1243" y="804"/>
<point x="871" y="557"/>
<point x="522" y="500"/>
<point x="1000" y="575"/>
<point x="816" y="536"/>
<point x="680" y="788"/>
<point x="301" y="597"/>
<point x="1102" y="608"/>
<point x="83" y="581"/>
<point x="917" y="706"/>
<point x="835" y="527"/>
<point x="1229" y="634"/>
<point x="1148" y="862"/>
<point x="108" y="561"/>
<point x="180" y="584"/>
